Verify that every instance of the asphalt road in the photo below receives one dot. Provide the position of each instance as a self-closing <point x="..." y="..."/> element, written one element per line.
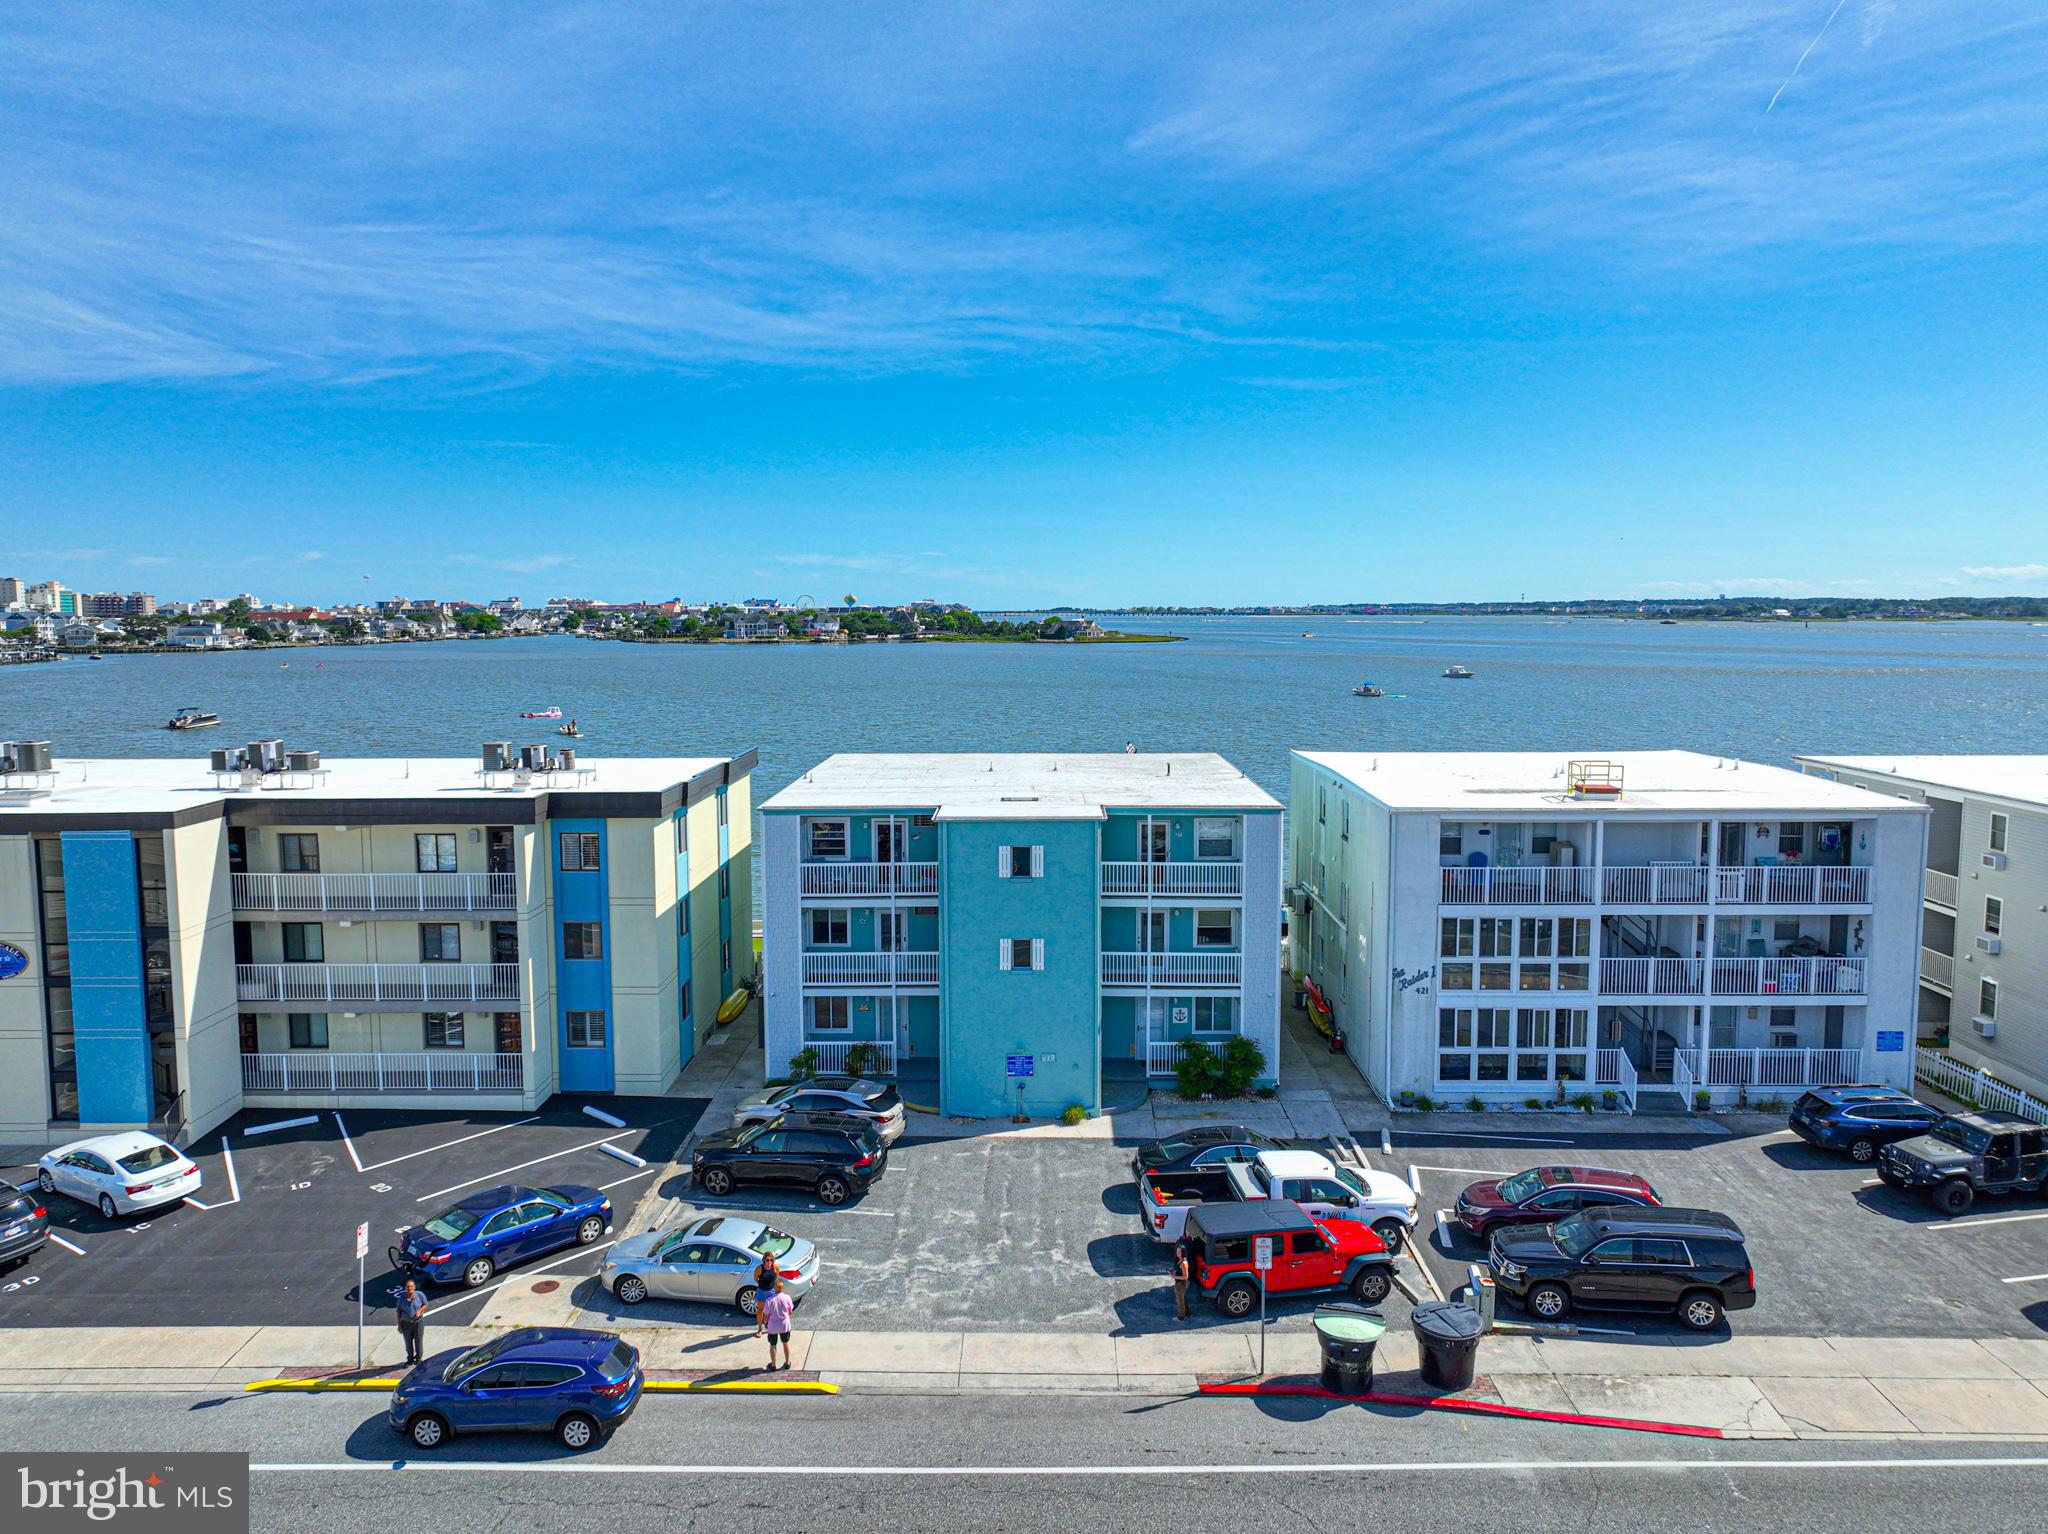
<point x="1053" y="1462"/>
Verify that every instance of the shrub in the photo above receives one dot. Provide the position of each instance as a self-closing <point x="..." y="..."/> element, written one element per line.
<point x="803" y="1065"/>
<point x="1771" y="1105"/>
<point x="1583" y="1102"/>
<point x="1197" y="1070"/>
<point x="1269" y="1093"/>
<point x="862" y="1059"/>
<point x="1532" y="1103"/>
<point x="1475" y="1105"/>
<point x="1424" y="1102"/>
<point x="1074" y="1114"/>
<point x="1243" y="1063"/>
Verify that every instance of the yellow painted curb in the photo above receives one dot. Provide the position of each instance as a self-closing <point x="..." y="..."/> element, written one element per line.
<point x="277" y="1385"/>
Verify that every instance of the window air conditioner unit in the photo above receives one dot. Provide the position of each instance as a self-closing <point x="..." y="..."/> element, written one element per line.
<point x="1984" y="1028"/>
<point x="1987" y="942"/>
<point x="1994" y="860"/>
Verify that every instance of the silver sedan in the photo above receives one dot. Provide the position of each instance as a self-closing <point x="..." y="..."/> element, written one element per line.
<point x="709" y="1260"/>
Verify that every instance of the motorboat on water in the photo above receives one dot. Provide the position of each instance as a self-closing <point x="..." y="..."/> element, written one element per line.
<point x="1459" y="673"/>
<point x="1367" y="690"/>
<point x="191" y="719"/>
<point x="542" y="713"/>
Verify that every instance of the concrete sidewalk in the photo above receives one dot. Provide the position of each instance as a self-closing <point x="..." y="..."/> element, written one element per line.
<point x="1753" y="1387"/>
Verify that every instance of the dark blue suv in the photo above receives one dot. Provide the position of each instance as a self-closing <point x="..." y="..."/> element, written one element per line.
<point x="1859" y="1119"/>
<point x="575" y="1384"/>
<point x="495" y="1227"/>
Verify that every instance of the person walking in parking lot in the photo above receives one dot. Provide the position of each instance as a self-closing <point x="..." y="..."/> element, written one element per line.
<point x="1183" y="1270"/>
<point x="776" y="1311"/>
<point x="412" y="1321"/>
<point x="765" y="1278"/>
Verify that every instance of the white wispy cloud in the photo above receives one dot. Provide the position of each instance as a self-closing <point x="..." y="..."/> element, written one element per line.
<point x="2006" y="572"/>
<point x="150" y="559"/>
<point x="532" y="564"/>
<point x="311" y="556"/>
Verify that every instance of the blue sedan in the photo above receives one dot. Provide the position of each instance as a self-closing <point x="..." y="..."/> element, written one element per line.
<point x="573" y="1383"/>
<point x="473" y="1238"/>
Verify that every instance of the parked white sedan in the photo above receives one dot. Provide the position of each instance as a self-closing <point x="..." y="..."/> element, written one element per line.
<point x="119" y="1174"/>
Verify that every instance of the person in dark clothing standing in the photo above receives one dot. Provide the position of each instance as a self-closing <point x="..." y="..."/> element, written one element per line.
<point x="765" y="1280"/>
<point x="1183" y="1270"/>
<point x="412" y="1321"/>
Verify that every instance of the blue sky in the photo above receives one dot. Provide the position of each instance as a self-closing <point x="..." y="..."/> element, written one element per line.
<point x="1026" y="303"/>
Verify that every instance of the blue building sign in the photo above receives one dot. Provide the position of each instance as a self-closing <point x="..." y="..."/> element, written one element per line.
<point x="1020" y="1065"/>
<point x="1891" y="1041"/>
<point x="12" y="961"/>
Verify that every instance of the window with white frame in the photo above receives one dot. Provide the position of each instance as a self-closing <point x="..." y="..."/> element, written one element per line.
<point x="585" y="1030"/>
<point x="298" y="852"/>
<point x="1450" y="839"/>
<point x="1021" y="953"/>
<point x="1987" y="1000"/>
<point x="581" y="851"/>
<point x="1218" y="838"/>
<point x="433" y="852"/>
<point x="1459" y="937"/>
<point x="1994" y="914"/>
<point x="1998" y="832"/>
<point x="890" y="927"/>
<point x="440" y="942"/>
<point x="443" y="1030"/>
<point x="1344" y="811"/>
<point x="829" y="929"/>
<point x="1215" y="929"/>
<point x="1020" y="862"/>
<point x="582" y="940"/>
<point x="827" y="838"/>
<point x="308" y="1029"/>
<point x="1522" y="1044"/>
<point x="830" y="1014"/>
<point x="1215" y="1014"/>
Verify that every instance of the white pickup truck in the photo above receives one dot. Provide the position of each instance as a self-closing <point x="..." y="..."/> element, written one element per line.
<point x="1329" y="1192"/>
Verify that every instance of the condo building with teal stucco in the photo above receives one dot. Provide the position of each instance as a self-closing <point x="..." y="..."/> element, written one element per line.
<point x="1019" y="931"/>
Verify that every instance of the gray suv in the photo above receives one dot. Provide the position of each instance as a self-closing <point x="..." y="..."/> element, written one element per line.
<point x="827" y="1102"/>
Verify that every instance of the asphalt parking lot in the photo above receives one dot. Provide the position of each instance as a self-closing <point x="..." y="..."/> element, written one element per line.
<point x="270" y="1239"/>
<point x="992" y="1233"/>
<point x="1836" y="1252"/>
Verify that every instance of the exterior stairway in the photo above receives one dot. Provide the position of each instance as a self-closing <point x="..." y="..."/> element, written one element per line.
<point x="1659" y="1101"/>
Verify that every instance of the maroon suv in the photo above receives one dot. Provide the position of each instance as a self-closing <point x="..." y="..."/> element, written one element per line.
<point x="1546" y="1193"/>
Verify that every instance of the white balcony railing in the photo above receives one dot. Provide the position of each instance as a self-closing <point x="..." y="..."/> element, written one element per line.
<point x="1651" y="977"/>
<point x="446" y="1070"/>
<point x="1787" y="885"/>
<point x="1657" y="884"/>
<point x="871" y="969"/>
<point x="1943" y="889"/>
<point x="832" y="1056"/>
<point x="1172" y="969"/>
<point x="1718" y="1070"/>
<point x="1173" y="878"/>
<point x="377" y="987"/>
<point x="1613" y="1068"/>
<point x="1518" y="886"/>
<point x="1938" y="968"/>
<point x="1731" y="977"/>
<point x="370" y="894"/>
<point x="870" y="878"/>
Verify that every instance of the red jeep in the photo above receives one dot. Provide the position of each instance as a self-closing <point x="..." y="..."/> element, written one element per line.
<point x="1310" y="1256"/>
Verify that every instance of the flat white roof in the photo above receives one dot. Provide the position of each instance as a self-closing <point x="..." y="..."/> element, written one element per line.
<point x="1487" y="785"/>
<point x="2021" y="779"/>
<point x="1024" y="785"/>
<point x="158" y="785"/>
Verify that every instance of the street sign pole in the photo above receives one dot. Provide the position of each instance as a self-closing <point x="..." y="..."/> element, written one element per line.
<point x="362" y="1251"/>
<point x="1262" y="1259"/>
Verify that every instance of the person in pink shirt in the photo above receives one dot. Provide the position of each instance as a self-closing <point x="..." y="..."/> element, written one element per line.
<point x="776" y="1311"/>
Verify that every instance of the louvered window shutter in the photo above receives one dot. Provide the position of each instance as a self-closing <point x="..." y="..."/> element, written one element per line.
<point x="1038" y="953"/>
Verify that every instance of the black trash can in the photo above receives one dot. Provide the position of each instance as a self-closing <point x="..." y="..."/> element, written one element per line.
<point x="1447" y="1336"/>
<point x="1347" y="1335"/>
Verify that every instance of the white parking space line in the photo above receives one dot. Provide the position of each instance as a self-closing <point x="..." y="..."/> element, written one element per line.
<point x="470" y="1294"/>
<point x="2027" y="1278"/>
<point x="605" y="1187"/>
<point x="1473" y="1134"/>
<point x="75" y="1250"/>
<point x="506" y="1171"/>
<point x="2003" y="1219"/>
<point x="197" y="1205"/>
<point x="445" y="1144"/>
<point x="234" y="1184"/>
<point x="1462" y="1171"/>
<point x="347" y="1143"/>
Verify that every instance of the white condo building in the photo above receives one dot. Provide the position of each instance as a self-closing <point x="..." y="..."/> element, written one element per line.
<point x="1984" y="943"/>
<point x="1655" y="924"/>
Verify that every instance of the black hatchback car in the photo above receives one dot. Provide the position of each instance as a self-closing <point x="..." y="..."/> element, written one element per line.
<point x="24" y="1225"/>
<point x="1205" y="1145"/>
<point x="1859" y="1120"/>
<point x="1690" y="1262"/>
<point x="835" y="1164"/>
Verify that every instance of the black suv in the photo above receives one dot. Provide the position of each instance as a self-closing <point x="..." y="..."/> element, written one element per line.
<point x="1690" y="1262"/>
<point x="834" y="1163"/>
<point x="1967" y="1154"/>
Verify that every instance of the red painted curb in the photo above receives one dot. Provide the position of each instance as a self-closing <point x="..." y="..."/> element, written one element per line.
<point x="1454" y="1404"/>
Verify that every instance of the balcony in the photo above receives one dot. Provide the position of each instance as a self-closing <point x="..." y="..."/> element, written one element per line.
<point x="1731" y="977"/>
<point x="1141" y="879"/>
<point x="1721" y="1071"/>
<point x="832" y="1056"/>
<point x="853" y="879"/>
<point x="876" y="969"/>
<point x="1173" y="969"/>
<point x="377" y="987"/>
<point x="1943" y="889"/>
<point x="374" y="894"/>
<point x="332" y="1075"/>
<point x="1938" y="969"/>
<point x="1537" y="885"/>
<point x="1793" y="885"/>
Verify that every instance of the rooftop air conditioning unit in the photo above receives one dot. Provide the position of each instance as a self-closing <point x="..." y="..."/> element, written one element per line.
<point x="267" y="755"/>
<point x="534" y="758"/>
<point x="1994" y="860"/>
<point x="565" y="759"/>
<point x="1983" y="1027"/>
<point x="26" y="755"/>
<point x="226" y="758"/>
<point x="497" y="756"/>
<point x="1987" y="943"/>
<point x="302" y="761"/>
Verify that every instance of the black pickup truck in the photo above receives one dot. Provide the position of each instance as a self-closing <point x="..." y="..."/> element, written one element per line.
<point x="1967" y="1154"/>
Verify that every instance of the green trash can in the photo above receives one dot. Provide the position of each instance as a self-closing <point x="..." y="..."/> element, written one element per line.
<point x="1347" y="1335"/>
